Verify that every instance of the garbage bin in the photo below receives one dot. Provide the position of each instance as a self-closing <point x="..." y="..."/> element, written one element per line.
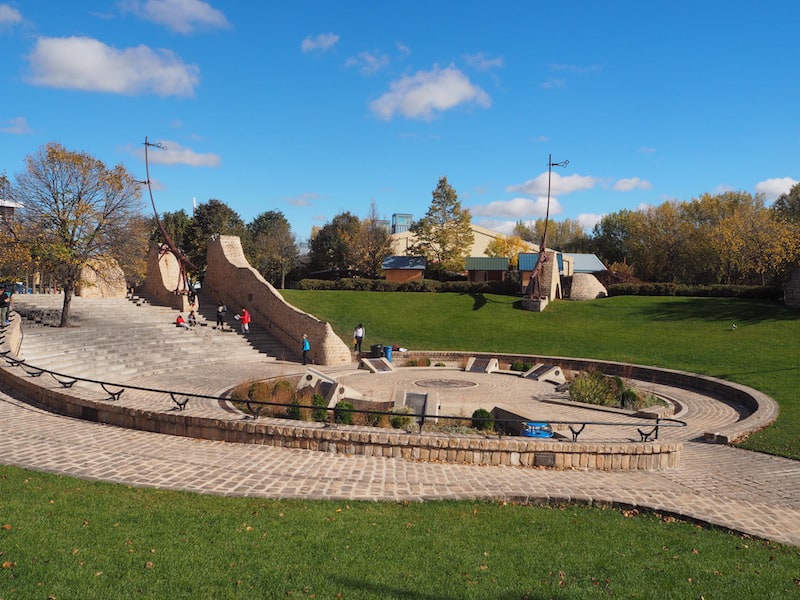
<point x="387" y="352"/>
<point x="537" y="429"/>
<point x="376" y="350"/>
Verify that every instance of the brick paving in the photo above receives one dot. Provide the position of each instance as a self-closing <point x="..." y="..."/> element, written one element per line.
<point x="739" y="490"/>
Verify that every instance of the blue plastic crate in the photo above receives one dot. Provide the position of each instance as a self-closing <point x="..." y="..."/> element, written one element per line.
<point x="537" y="429"/>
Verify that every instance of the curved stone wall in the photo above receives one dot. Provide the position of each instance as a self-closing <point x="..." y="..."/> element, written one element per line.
<point x="163" y="284"/>
<point x="762" y="409"/>
<point x="231" y="279"/>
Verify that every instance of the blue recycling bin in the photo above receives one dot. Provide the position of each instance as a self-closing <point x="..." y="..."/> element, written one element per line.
<point x="537" y="429"/>
<point x="387" y="353"/>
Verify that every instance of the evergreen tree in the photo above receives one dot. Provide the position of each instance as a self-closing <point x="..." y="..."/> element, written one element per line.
<point x="444" y="235"/>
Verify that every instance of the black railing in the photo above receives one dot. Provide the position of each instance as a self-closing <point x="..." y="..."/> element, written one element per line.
<point x="646" y="428"/>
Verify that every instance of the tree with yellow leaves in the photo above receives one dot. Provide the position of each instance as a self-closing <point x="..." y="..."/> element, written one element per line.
<point x="74" y="212"/>
<point x="508" y="247"/>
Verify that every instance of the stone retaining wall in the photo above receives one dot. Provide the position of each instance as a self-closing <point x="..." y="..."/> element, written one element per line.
<point x="761" y="409"/>
<point x="90" y="403"/>
<point x="82" y="403"/>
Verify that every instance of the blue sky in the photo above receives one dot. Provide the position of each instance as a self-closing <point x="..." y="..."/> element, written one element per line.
<point x="314" y="108"/>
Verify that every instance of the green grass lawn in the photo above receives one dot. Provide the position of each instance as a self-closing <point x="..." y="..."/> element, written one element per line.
<point x="692" y="334"/>
<point x="63" y="538"/>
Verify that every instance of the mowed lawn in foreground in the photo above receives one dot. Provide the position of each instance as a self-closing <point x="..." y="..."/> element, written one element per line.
<point x="64" y="538"/>
<point x="692" y="334"/>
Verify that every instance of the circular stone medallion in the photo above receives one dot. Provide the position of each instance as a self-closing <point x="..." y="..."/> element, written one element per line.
<point x="444" y="383"/>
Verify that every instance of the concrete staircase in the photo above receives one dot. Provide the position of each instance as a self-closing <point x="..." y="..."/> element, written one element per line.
<point x="114" y="339"/>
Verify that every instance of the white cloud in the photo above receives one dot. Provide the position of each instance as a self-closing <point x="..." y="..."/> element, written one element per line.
<point x="483" y="62"/>
<point x="87" y="64"/>
<point x="553" y="84"/>
<point x="647" y="150"/>
<point x="17" y="125"/>
<point x="183" y="16"/>
<point x="426" y="93"/>
<point x="172" y="153"/>
<point x="504" y="227"/>
<point x="322" y="42"/>
<point x="632" y="183"/>
<point x="305" y="199"/>
<point x="588" y="220"/>
<point x="772" y="188"/>
<point x="368" y="62"/>
<point x="559" y="185"/>
<point x="9" y="15"/>
<point x="578" y="69"/>
<point x="517" y="208"/>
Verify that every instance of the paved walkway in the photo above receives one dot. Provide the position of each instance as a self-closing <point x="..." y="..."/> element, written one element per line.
<point x="736" y="489"/>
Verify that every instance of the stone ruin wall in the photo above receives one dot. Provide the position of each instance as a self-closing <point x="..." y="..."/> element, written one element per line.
<point x="102" y="279"/>
<point x="163" y="285"/>
<point x="230" y="279"/>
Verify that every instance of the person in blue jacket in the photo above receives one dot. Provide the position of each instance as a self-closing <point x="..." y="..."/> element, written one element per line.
<point x="306" y="348"/>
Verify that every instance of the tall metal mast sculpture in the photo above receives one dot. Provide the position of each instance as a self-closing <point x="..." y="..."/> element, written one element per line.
<point x="534" y="290"/>
<point x="184" y="263"/>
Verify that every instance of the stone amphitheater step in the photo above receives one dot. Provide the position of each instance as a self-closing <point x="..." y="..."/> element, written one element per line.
<point x="121" y="337"/>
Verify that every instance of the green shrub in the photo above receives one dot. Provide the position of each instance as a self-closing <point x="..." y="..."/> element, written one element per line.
<point x="412" y="362"/>
<point x="403" y="418"/>
<point x="440" y="364"/>
<point x="258" y="390"/>
<point x="343" y="413"/>
<point x="320" y="412"/>
<point x="753" y="292"/>
<point x="630" y="400"/>
<point x="293" y="410"/>
<point x="482" y="420"/>
<point x="592" y="387"/>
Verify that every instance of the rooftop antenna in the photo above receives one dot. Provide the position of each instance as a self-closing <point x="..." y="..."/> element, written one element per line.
<point x="534" y="290"/>
<point x="183" y="261"/>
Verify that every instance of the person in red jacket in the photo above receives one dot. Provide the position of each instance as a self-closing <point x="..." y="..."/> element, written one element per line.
<point x="244" y="319"/>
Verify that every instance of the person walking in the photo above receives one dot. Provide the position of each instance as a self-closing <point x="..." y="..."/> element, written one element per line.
<point x="5" y="306"/>
<point x="358" y="337"/>
<point x="306" y="349"/>
<point x="222" y="310"/>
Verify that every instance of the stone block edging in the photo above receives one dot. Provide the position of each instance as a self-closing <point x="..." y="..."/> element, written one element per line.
<point x="763" y="410"/>
<point x="81" y="402"/>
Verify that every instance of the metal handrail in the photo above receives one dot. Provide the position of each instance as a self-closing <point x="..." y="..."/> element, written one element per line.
<point x="181" y="400"/>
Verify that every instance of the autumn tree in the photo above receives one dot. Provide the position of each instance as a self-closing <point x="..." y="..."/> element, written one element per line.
<point x="507" y="247"/>
<point x="74" y="212"/>
<point x="611" y="237"/>
<point x="758" y="242"/>
<point x="273" y="251"/>
<point x="567" y="235"/>
<point x="332" y="248"/>
<point x="372" y="244"/>
<point x="787" y="206"/>
<point x="15" y="257"/>
<point x="444" y="235"/>
<point x="130" y="250"/>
